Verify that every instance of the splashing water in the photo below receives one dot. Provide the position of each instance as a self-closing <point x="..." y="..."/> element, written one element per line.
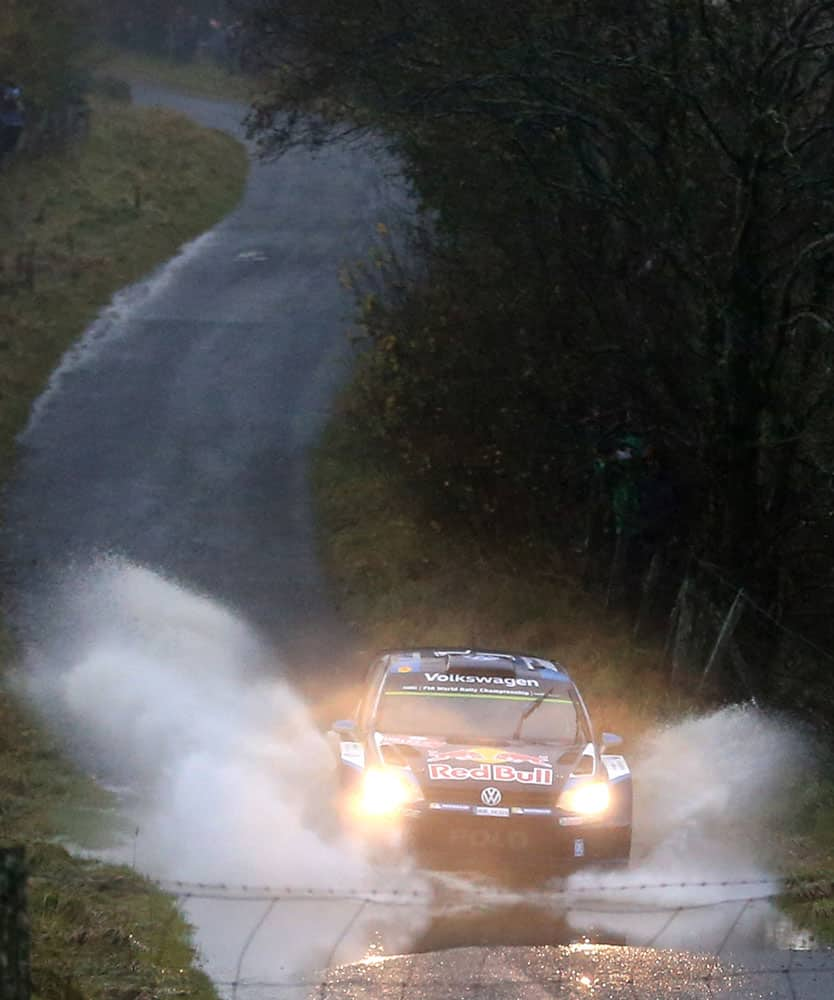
<point x="167" y="692"/>
<point x="177" y="697"/>
<point x="708" y="792"/>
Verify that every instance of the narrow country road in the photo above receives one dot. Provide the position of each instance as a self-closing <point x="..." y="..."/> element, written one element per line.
<point x="177" y="435"/>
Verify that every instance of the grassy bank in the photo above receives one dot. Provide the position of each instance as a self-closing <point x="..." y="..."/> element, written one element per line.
<point x="98" y="931"/>
<point x="202" y="77"/>
<point x="74" y="228"/>
<point x="401" y="580"/>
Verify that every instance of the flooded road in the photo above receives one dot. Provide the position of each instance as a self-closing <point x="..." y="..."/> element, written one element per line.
<point x="478" y="946"/>
<point x="174" y="441"/>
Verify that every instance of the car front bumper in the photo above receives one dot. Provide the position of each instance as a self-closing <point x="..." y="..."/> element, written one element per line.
<point x="459" y="840"/>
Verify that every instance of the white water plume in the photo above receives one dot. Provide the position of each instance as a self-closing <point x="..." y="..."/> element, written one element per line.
<point x="708" y="792"/>
<point x="174" y="696"/>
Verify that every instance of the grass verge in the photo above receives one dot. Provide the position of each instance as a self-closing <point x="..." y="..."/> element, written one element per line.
<point x="98" y="931"/>
<point x="202" y="78"/>
<point x="74" y="228"/>
<point x="401" y="580"/>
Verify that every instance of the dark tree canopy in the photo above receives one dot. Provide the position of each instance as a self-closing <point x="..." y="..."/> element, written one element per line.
<point x="634" y="212"/>
<point x="43" y="48"/>
<point x="148" y="24"/>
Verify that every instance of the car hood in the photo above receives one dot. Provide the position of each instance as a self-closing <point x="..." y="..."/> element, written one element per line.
<point x="451" y="767"/>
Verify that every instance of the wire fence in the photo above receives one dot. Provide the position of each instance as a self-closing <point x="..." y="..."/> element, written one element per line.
<point x="613" y="936"/>
<point x="721" y="642"/>
<point x="745" y="647"/>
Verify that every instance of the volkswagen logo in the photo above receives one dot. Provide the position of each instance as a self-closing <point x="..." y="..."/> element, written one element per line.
<point x="490" y="796"/>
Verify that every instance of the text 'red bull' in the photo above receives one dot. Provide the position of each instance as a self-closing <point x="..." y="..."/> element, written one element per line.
<point x="490" y="772"/>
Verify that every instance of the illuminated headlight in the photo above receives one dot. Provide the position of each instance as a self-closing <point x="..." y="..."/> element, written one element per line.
<point x="384" y="791"/>
<point x="589" y="799"/>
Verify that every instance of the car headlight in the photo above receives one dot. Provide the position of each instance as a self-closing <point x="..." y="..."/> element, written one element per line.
<point x="384" y="791"/>
<point x="588" y="799"/>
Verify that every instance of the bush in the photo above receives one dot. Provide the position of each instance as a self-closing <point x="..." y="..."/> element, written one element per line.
<point x="43" y="48"/>
<point x="112" y="88"/>
<point x="463" y="382"/>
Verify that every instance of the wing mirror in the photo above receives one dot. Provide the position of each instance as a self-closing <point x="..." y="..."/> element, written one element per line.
<point x="609" y="741"/>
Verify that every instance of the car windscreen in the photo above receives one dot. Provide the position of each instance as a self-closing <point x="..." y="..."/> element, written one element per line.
<point x="461" y="707"/>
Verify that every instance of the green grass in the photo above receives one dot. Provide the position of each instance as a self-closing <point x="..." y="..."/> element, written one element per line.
<point x="201" y="78"/>
<point x="97" y="930"/>
<point x="807" y="852"/>
<point x="81" y="225"/>
<point x="107" y="912"/>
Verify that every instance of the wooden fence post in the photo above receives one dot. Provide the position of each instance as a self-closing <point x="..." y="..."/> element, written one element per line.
<point x="648" y="591"/>
<point x="15" y="970"/>
<point x="680" y="624"/>
<point x="743" y="672"/>
<point x="725" y="635"/>
<point x="616" y="575"/>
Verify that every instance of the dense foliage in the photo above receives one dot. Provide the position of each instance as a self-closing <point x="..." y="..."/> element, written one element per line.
<point x="158" y="25"/>
<point x="43" y="49"/>
<point x="633" y="230"/>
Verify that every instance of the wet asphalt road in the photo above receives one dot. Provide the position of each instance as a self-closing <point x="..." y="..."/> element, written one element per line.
<point x="177" y="435"/>
<point x="497" y="950"/>
<point x="579" y="971"/>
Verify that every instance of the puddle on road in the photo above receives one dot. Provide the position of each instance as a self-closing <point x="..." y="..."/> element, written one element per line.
<point x="578" y="972"/>
<point x="465" y="913"/>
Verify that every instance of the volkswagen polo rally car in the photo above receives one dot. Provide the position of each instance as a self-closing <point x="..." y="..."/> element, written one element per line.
<point x="483" y="756"/>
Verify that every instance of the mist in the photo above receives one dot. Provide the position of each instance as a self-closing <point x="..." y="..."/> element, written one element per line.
<point x="710" y="790"/>
<point x="226" y="780"/>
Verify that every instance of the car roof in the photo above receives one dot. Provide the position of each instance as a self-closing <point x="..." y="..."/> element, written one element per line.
<point x="457" y="658"/>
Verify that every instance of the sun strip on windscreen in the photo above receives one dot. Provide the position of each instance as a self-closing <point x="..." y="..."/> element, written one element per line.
<point x="456" y="694"/>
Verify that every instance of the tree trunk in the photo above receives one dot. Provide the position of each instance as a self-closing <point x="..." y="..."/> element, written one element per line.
<point x="14" y="926"/>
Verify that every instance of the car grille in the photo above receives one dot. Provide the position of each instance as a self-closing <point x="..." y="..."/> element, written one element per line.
<point x="511" y="794"/>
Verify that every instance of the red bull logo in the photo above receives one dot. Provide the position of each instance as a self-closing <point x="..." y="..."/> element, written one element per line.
<point x="490" y="772"/>
<point x="488" y="755"/>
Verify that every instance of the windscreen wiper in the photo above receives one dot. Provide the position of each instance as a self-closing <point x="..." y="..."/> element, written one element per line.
<point x="525" y="715"/>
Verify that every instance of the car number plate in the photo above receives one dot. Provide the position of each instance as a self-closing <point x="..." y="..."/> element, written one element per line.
<point x="491" y="811"/>
<point x="491" y="836"/>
